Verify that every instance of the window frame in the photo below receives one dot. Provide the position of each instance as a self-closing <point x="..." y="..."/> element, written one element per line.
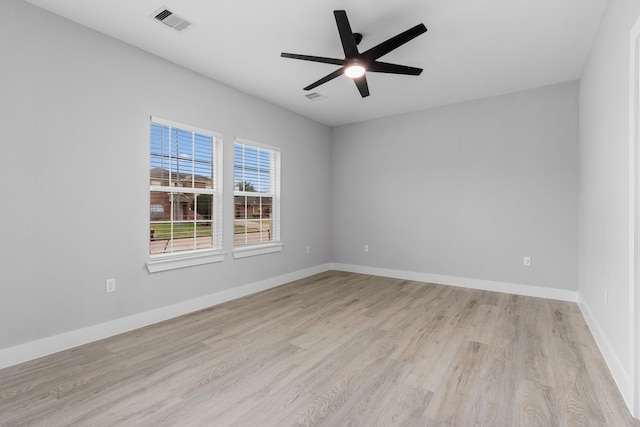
<point x="275" y="172"/>
<point x="191" y="257"/>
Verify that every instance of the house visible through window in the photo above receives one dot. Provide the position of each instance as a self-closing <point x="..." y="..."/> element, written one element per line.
<point x="256" y="175"/>
<point x="185" y="184"/>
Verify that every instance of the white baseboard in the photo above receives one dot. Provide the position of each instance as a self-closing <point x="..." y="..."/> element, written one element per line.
<point x="464" y="282"/>
<point x="623" y="380"/>
<point x="43" y="347"/>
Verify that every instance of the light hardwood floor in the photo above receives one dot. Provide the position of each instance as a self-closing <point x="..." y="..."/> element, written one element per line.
<point x="334" y="349"/>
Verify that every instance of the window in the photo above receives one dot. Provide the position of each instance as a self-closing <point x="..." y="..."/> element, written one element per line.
<point x="185" y="193"/>
<point x="256" y="180"/>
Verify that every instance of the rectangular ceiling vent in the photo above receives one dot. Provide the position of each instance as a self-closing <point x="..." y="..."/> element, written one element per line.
<point x="171" y="19"/>
<point x="315" y="96"/>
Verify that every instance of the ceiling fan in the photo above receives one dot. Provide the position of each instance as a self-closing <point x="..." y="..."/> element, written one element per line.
<point x="356" y="64"/>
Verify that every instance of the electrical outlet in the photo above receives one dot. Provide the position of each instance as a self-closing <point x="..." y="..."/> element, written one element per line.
<point x="308" y="249"/>
<point x="366" y="248"/>
<point x="110" y="286"/>
<point x="527" y="261"/>
<point x="605" y="296"/>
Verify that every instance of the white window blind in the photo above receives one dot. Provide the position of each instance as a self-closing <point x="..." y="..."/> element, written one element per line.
<point x="185" y="189"/>
<point x="256" y="174"/>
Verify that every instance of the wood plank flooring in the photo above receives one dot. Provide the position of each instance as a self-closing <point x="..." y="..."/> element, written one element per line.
<point x="335" y="349"/>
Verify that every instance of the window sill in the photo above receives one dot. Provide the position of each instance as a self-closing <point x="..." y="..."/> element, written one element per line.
<point x="155" y="265"/>
<point x="248" y="251"/>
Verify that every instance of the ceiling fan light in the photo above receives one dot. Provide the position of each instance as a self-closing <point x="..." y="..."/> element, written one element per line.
<point x="354" y="71"/>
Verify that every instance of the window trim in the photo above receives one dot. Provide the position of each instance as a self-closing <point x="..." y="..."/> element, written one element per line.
<point x="257" y="249"/>
<point x="274" y="245"/>
<point x="185" y="260"/>
<point x="181" y="259"/>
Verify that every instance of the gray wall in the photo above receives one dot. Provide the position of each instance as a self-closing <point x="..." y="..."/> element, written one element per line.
<point x="465" y="190"/>
<point x="74" y="113"/>
<point x="604" y="181"/>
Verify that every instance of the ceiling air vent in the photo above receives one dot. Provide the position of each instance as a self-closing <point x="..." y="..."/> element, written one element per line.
<point x="315" y="96"/>
<point x="171" y="19"/>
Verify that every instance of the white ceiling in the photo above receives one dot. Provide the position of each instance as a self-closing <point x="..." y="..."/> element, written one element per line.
<point x="473" y="48"/>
